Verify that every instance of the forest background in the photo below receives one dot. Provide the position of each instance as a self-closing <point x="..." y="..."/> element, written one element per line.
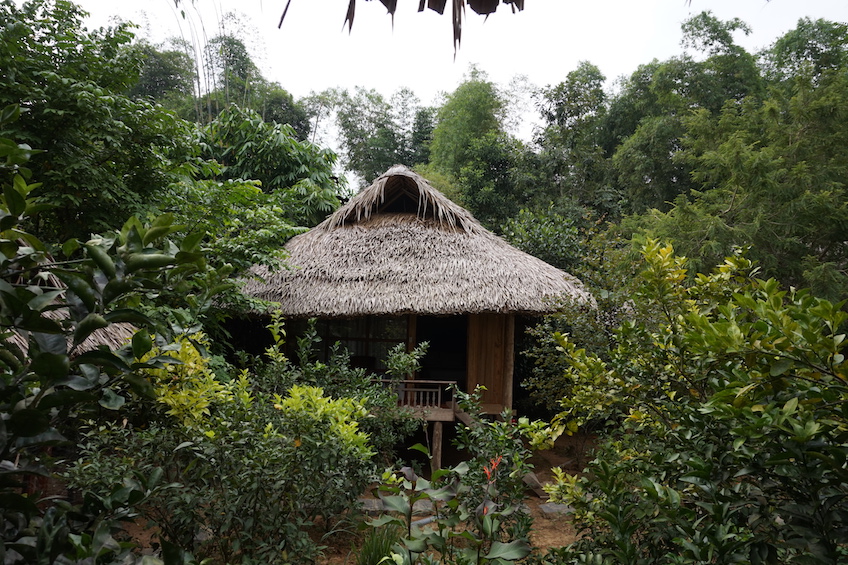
<point x="153" y="177"/>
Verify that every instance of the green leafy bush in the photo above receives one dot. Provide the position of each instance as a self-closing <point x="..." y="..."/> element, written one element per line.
<point x="53" y="373"/>
<point x="255" y="470"/>
<point x="387" y="424"/>
<point x="477" y="505"/>
<point x="733" y="445"/>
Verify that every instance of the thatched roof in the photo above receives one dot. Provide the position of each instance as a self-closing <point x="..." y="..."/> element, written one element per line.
<point x="114" y="336"/>
<point x="402" y="247"/>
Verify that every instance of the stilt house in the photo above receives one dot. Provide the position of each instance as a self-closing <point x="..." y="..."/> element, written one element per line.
<point x="401" y="263"/>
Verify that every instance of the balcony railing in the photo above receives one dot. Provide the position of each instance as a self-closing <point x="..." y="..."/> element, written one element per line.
<point x="423" y="395"/>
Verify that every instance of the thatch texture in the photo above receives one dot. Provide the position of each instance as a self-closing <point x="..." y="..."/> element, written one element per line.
<point x="401" y="247"/>
<point x="114" y="336"/>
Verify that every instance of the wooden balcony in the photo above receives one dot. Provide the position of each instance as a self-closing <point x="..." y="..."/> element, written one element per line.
<point x="430" y="399"/>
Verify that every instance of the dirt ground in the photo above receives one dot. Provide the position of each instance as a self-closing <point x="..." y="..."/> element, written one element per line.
<point x="548" y="530"/>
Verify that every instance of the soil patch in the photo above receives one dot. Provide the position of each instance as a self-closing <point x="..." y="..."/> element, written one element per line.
<point x="550" y="529"/>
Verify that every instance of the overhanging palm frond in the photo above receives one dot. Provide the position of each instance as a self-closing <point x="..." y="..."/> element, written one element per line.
<point x="482" y="7"/>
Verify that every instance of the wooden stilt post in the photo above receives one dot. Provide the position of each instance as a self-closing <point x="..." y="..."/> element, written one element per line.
<point x="436" y="462"/>
<point x="509" y="361"/>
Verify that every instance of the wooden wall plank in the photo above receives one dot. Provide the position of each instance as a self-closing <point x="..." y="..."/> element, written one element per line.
<point x="490" y="358"/>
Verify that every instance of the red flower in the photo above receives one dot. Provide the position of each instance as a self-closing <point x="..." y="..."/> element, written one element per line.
<point x="494" y="465"/>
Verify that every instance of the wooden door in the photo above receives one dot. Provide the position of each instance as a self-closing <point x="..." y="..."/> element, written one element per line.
<point x="490" y="359"/>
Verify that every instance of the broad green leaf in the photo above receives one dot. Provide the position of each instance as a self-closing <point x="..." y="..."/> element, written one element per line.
<point x="396" y="504"/>
<point x="191" y="242"/>
<point x="80" y="287"/>
<point x="47" y="437"/>
<point x="51" y="367"/>
<point x="415" y="545"/>
<point x="88" y="326"/>
<point x="129" y="316"/>
<point x="28" y="422"/>
<point x="141" y="343"/>
<point x="70" y="246"/>
<point x="44" y="299"/>
<point x="140" y="385"/>
<point x="116" y="289"/>
<point x="791" y="405"/>
<point x="422" y="448"/>
<point x="51" y="342"/>
<point x="511" y="551"/>
<point x="102" y="259"/>
<point x="383" y="520"/>
<point x="155" y="233"/>
<point x="15" y="202"/>
<point x="148" y="261"/>
<point x="66" y="398"/>
<point x="15" y="502"/>
<point x="35" y="322"/>
<point x="102" y="358"/>
<point x="111" y="400"/>
<point x="780" y="367"/>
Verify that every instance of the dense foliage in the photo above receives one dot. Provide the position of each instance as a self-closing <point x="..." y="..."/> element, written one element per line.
<point x="478" y="517"/>
<point x="104" y="155"/>
<point x="255" y="469"/>
<point x="728" y="396"/>
<point x="52" y="375"/>
<point x="139" y="180"/>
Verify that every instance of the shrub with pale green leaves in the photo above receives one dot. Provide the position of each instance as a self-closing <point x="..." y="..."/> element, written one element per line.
<point x="733" y="446"/>
<point x="255" y="470"/>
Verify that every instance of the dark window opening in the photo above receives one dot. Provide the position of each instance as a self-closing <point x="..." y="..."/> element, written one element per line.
<point x="446" y="356"/>
<point x="367" y="339"/>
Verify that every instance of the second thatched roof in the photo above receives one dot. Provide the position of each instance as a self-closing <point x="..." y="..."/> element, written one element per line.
<point x="402" y="247"/>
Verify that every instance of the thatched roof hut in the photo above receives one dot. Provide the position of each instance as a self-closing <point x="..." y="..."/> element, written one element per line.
<point x="401" y="247"/>
<point x="401" y="263"/>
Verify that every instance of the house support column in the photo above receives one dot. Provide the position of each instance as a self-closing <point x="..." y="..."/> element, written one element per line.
<point x="436" y="461"/>
<point x="509" y="361"/>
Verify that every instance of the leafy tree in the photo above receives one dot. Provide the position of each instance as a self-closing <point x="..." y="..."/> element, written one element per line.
<point x="53" y="314"/>
<point x="552" y="237"/>
<point x="415" y="125"/>
<point x="470" y="145"/>
<point x="772" y="177"/>
<point x="575" y="103"/>
<point x="486" y="180"/>
<point x="255" y="469"/>
<point x="730" y="397"/>
<point x="231" y="70"/>
<point x="245" y="225"/>
<point x="298" y="171"/>
<point x="105" y="157"/>
<point x="571" y="155"/>
<point x="812" y="48"/>
<point x="275" y="104"/>
<point x="422" y="135"/>
<point x="474" y="110"/>
<point x="165" y="73"/>
<point x="376" y="133"/>
<point x="371" y="138"/>
<point x="634" y="100"/>
<point x="646" y="167"/>
<point x="643" y="127"/>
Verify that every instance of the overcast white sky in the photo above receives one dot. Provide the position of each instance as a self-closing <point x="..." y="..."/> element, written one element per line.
<point x="544" y="42"/>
